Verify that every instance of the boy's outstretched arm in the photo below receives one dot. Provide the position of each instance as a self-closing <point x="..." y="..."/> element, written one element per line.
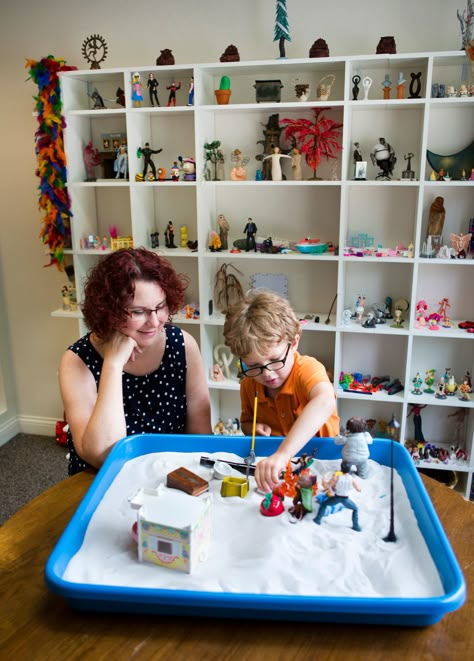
<point x="314" y="415"/>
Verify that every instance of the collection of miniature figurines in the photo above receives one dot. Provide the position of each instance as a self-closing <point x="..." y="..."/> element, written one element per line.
<point x="383" y="156"/>
<point x="314" y="138"/>
<point x="356" y="382"/>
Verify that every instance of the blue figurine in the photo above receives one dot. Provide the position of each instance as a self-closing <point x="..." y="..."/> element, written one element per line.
<point x="340" y="487"/>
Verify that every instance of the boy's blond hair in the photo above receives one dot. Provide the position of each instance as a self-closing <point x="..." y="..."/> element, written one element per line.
<point x="258" y="322"/>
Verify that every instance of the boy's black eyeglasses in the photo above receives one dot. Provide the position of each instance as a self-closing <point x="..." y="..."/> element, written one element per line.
<point x="272" y="366"/>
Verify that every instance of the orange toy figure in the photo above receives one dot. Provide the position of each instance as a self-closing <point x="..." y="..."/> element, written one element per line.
<point x="288" y="487"/>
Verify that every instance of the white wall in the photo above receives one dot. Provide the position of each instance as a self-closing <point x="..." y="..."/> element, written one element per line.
<point x="31" y="341"/>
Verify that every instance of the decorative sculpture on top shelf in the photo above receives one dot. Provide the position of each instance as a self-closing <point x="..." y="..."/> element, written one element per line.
<point x="94" y="50"/>
<point x="319" y="49"/>
<point x="282" y="28"/>
<point x="386" y="46"/>
<point x="231" y="54"/>
<point x="165" y="58"/>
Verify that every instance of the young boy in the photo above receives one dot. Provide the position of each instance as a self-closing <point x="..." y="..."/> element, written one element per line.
<point x="295" y="397"/>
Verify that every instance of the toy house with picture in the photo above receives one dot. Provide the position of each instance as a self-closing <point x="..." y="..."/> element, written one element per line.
<point x="173" y="528"/>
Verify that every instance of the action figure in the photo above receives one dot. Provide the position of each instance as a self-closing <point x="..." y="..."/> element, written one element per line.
<point x="169" y="236"/>
<point x="152" y="85"/>
<point x="303" y="499"/>
<point x="251" y="231"/>
<point x="173" y="89"/>
<point x="355" y="442"/>
<point x="97" y="99"/>
<point x="146" y="152"/>
<point x="383" y="155"/>
<point x="340" y="487"/>
<point x="416" y="410"/>
<point x="191" y="92"/>
<point x="137" y="87"/>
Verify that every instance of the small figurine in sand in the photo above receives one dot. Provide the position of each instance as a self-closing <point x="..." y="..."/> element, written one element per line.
<point x="303" y="499"/>
<point x="355" y="442"/>
<point x="341" y="485"/>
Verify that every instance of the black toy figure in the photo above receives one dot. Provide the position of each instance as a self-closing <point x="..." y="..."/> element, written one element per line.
<point x="169" y="236"/>
<point x="251" y="230"/>
<point x="146" y="152"/>
<point x="355" y="89"/>
<point x="152" y="85"/>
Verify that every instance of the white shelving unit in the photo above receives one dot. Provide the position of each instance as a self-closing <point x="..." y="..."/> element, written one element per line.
<point x="334" y="209"/>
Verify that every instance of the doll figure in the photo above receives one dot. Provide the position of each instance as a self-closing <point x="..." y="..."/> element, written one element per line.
<point x="250" y="230"/>
<point x="191" y="92"/>
<point x="224" y="228"/>
<point x="173" y="88"/>
<point x="169" y="236"/>
<point x="341" y="486"/>
<point x="152" y="85"/>
<point x="121" y="163"/>
<point x="137" y="96"/>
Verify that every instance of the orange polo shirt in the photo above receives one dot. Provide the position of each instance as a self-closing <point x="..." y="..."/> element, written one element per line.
<point x="281" y="412"/>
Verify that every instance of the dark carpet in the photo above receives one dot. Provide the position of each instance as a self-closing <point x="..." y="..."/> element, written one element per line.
<point x="29" y="465"/>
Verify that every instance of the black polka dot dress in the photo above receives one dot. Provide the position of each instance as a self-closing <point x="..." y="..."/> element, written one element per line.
<point x="154" y="403"/>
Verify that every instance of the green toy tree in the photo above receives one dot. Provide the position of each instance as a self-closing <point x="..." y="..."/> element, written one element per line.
<point x="213" y="153"/>
<point x="282" y="29"/>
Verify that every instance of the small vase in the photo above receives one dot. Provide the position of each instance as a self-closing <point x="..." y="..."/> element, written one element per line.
<point x="222" y="96"/>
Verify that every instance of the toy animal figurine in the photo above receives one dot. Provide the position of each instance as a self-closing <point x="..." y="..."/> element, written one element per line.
<point x="355" y="442"/>
<point x="303" y="499"/>
<point x="341" y="486"/>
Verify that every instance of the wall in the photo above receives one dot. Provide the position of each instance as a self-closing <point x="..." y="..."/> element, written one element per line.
<point x="31" y="340"/>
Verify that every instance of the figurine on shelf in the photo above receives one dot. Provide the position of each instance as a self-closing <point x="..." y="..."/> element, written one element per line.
<point x="415" y="85"/>
<point x="191" y="92"/>
<point x="398" y="319"/>
<point x="460" y="243"/>
<point x="355" y="89"/>
<point x="250" y="230"/>
<point x="355" y="441"/>
<point x="137" y="96"/>
<point x="276" y="157"/>
<point x="175" y="172"/>
<point x="296" y="164"/>
<point x="440" y="393"/>
<point x="146" y="152"/>
<point x="169" y="235"/>
<point x="340" y="487"/>
<point x="450" y="386"/>
<point x="421" y="319"/>
<point x="359" y="309"/>
<point x="152" y="85"/>
<point x="408" y="174"/>
<point x="357" y="153"/>
<point x="238" y="172"/>
<point x="367" y="84"/>
<point x="224" y="227"/>
<point x="92" y="158"/>
<point x="465" y="390"/>
<point x="417" y="383"/>
<point x="401" y="86"/>
<point x="121" y="163"/>
<point x="188" y="167"/>
<point x="429" y="380"/>
<point x="173" y="88"/>
<point x="387" y="86"/>
<point x="444" y="304"/>
<point x="97" y="99"/>
<point x="416" y="410"/>
<point x="384" y="157"/>
<point x="215" y="244"/>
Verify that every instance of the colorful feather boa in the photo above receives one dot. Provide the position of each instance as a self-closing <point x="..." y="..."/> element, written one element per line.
<point x="49" y="147"/>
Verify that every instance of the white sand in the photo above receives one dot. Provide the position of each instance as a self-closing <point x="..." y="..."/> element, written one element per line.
<point x="265" y="555"/>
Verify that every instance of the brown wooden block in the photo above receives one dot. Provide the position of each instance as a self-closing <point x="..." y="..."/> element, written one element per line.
<point x="187" y="481"/>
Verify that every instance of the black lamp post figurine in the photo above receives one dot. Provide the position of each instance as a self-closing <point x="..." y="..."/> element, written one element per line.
<point x="392" y="430"/>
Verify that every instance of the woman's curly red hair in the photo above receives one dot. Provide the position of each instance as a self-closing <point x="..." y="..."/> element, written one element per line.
<point x="110" y="287"/>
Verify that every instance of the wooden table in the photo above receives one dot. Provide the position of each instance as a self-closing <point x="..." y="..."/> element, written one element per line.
<point x="36" y="624"/>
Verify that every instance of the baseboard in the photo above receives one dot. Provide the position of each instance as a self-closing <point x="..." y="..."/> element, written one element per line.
<point x="8" y="429"/>
<point x="26" y="424"/>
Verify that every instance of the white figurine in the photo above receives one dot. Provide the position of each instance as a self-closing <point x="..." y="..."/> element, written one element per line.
<point x="276" y="165"/>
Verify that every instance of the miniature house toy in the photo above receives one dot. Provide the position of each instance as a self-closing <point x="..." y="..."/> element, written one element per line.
<point x="173" y="527"/>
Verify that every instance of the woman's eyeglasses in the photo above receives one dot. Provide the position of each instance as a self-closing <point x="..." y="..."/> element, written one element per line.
<point x="272" y="366"/>
<point x="140" y="314"/>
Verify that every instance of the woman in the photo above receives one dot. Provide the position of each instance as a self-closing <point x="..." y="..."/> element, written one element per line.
<point x="134" y="372"/>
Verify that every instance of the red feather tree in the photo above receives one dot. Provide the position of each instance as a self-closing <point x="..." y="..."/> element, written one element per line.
<point x="314" y="138"/>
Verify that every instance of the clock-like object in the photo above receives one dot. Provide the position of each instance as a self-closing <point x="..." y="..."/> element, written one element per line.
<point x="94" y="50"/>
